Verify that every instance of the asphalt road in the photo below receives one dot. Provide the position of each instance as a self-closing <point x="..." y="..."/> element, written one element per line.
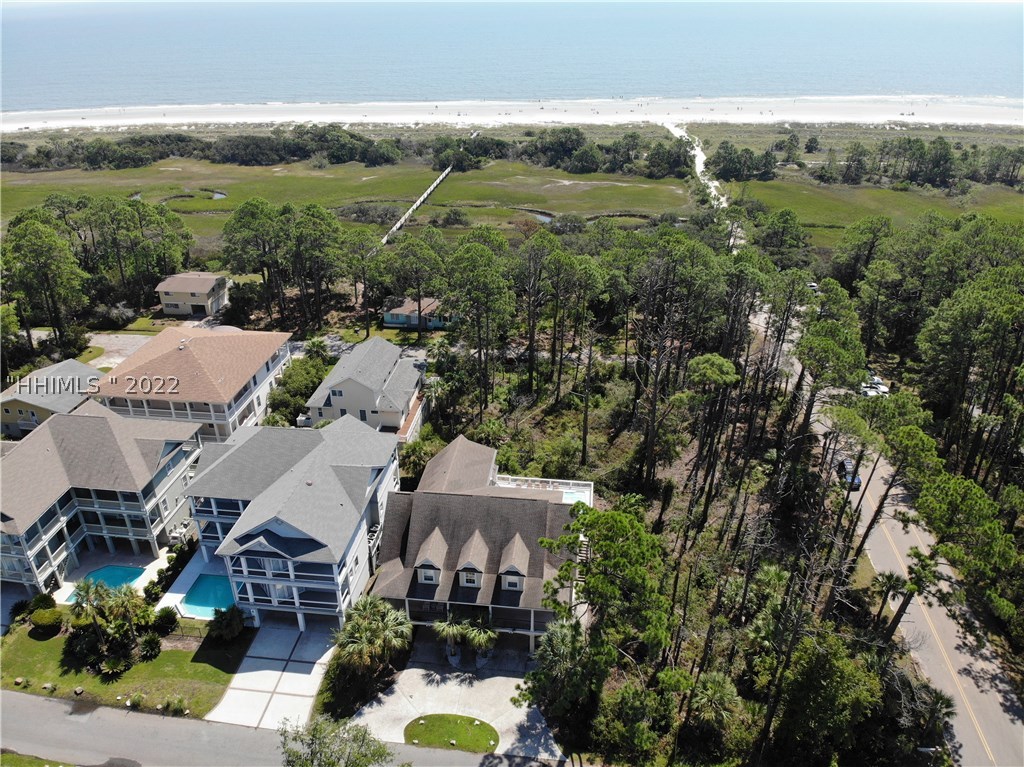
<point x="989" y="725"/>
<point x="86" y="735"/>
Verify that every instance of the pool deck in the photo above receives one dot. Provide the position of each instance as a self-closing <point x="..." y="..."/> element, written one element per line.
<point x="94" y="560"/>
<point x="176" y="593"/>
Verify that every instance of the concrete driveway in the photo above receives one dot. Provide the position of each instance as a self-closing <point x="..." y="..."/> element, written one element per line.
<point x="278" y="678"/>
<point x="116" y="347"/>
<point x="430" y="685"/>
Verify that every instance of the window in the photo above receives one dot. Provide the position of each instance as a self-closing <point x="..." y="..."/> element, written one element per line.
<point x="267" y="365"/>
<point x="32" y="413"/>
<point x="512" y="583"/>
<point x="373" y="412"/>
<point x="337" y="393"/>
<point x="259" y="402"/>
<point x="427" y="576"/>
<point x="470" y="579"/>
<point x="167" y="293"/>
<point x="170" y="305"/>
<point x="7" y="410"/>
<point x="194" y="295"/>
<point x="20" y="411"/>
<point x="319" y="412"/>
<point x="362" y="415"/>
<point x="343" y="411"/>
<point x="254" y="380"/>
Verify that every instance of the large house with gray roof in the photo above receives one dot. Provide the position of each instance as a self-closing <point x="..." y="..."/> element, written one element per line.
<point x="54" y="389"/>
<point x="90" y="479"/>
<point x="466" y="542"/>
<point x="217" y="377"/>
<point x="296" y="514"/>
<point x="374" y="383"/>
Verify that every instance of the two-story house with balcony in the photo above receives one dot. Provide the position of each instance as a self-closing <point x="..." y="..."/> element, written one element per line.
<point x="193" y="293"/>
<point x="217" y="377"/>
<point x="86" y="480"/>
<point x="374" y="383"/>
<point x="54" y="389"/>
<point x="296" y="514"/>
<point x="467" y="542"/>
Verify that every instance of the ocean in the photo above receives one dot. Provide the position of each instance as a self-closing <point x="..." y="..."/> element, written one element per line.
<point x="83" y="55"/>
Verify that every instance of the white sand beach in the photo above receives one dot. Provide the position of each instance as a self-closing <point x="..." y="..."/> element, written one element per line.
<point x="873" y="110"/>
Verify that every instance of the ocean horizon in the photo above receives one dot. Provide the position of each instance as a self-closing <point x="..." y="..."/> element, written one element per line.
<point x="151" y="54"/>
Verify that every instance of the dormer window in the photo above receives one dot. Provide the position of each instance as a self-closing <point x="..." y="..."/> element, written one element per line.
<point x="470" y="578"/>
<point x="427" y="575"/>
<point x="512" y="582"/>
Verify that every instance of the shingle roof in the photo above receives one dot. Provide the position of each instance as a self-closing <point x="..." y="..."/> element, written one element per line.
<point x="59" y="388"/>
<point x="190" y="282"/>
<point x="315" y="481"/>
<point x="462" y="466"/>
<point x="410" y="306"/>
<point x="378" y="365"/>
<point x="210" y="364"/>
<point x="89" y="448"/>
<point x="481" y="525"/>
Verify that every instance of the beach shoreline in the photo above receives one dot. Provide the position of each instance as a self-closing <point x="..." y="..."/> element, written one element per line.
<point x="895" y="111"/>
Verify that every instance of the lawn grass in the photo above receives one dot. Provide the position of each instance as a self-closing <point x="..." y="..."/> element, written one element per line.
<point x="10" y="759"/>
<point x="438" y="730"/>
<point x="198" y="677"/>
<point x="90" y="353"/>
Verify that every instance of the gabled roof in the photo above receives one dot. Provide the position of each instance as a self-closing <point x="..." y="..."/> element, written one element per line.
<point x="190" y="282"/>
<point x="462" y="466"/>
<point x="401" y="305"/>
<point x="209" y="364"/>
<point x="377" y="365"/>
<point x="308" y="486"/>
<point x="457" y="527"/>
<point x="59" y="388"/>
<point x="90" y="448"/>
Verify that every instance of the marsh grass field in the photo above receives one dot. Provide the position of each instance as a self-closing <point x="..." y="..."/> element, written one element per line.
<point x="504" y="192"/>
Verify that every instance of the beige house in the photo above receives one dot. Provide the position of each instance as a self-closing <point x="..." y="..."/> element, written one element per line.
<point x="86" y="479"/>
<point x="218" y="377"/>
<point x="191" y="293"/>
<point x="58" y="388"/>
<point x="374" y="383"/>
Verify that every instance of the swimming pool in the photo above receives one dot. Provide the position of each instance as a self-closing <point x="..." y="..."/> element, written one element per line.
<point x="113" y="575"/>
<point x="207" y="593"/>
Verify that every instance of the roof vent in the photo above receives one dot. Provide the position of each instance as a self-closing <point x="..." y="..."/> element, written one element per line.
<point x="309" y="483"/>
<point x="180" y="348"/>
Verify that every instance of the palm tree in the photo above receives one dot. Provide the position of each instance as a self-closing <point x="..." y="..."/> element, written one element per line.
<point x="714" y="699"/>
<point x="937" y="708"/>
<point x="480" y="635"/>
<point x="89" y="601"/>
<point x="886" y="585"/>
<point x="394" y="633"/>
<point x="316" y="348"/>
<point x="451" y="629"/>
<point x="124" y="604"/>
<point x="356" y="644"/>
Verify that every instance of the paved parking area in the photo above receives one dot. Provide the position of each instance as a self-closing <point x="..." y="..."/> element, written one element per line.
<point x="117" y="347"/>
<point x="278" y="678"/>
<point x="430" y="685"/>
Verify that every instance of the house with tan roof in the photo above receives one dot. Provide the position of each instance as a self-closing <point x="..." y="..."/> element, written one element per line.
<point x="217" y="377"/>
<point x="86" y="480"/>
<point x="54" y="389"/>
<point x="409" y="314"/>
<point x="374" y="383"/>
<point x="193" y="293"/>
<point x="467" y="542"/>
<point x="296" y="514"/>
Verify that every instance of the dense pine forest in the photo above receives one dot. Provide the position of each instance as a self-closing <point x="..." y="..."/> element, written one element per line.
<point x="706" y="375"/>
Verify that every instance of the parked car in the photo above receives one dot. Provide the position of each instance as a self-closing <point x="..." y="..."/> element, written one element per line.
<point x="813" y="286"/>
<point x="846" y="473"/>
<point x="867" y="391"/>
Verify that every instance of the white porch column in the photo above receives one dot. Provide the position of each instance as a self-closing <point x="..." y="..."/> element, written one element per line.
<point x="302" y="621"/>
<point x="206" y="552"/>
<point x="256" y="617"/>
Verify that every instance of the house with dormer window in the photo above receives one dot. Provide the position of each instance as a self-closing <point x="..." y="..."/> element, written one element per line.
<point x="467" y="542"/>
<point x="296" y="514"/>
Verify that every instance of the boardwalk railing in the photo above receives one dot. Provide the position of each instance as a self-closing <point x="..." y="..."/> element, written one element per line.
<point x="423" y="198"/>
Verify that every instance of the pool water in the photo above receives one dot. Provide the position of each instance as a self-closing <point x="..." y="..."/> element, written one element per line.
<point x="208" y="593"/>
<point x="114" y="575"/>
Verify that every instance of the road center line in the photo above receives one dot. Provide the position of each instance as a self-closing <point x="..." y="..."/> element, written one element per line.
<point x="942" y="650"/>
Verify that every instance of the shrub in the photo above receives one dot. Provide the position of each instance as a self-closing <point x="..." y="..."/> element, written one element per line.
<point x="175" y="706"/>
<point x="42" y="602"/>
<point x="48" y="620"/>
<point x="83" y="644"/>
<point x="81" y="622"/>
<point x="149" y="646"/>
<point x="114" y="666"/>
<point x="166" y="621"/>
<point x="152" y="592"/>
<point x="226" y="624"/>
<point x="19" y="610"/>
